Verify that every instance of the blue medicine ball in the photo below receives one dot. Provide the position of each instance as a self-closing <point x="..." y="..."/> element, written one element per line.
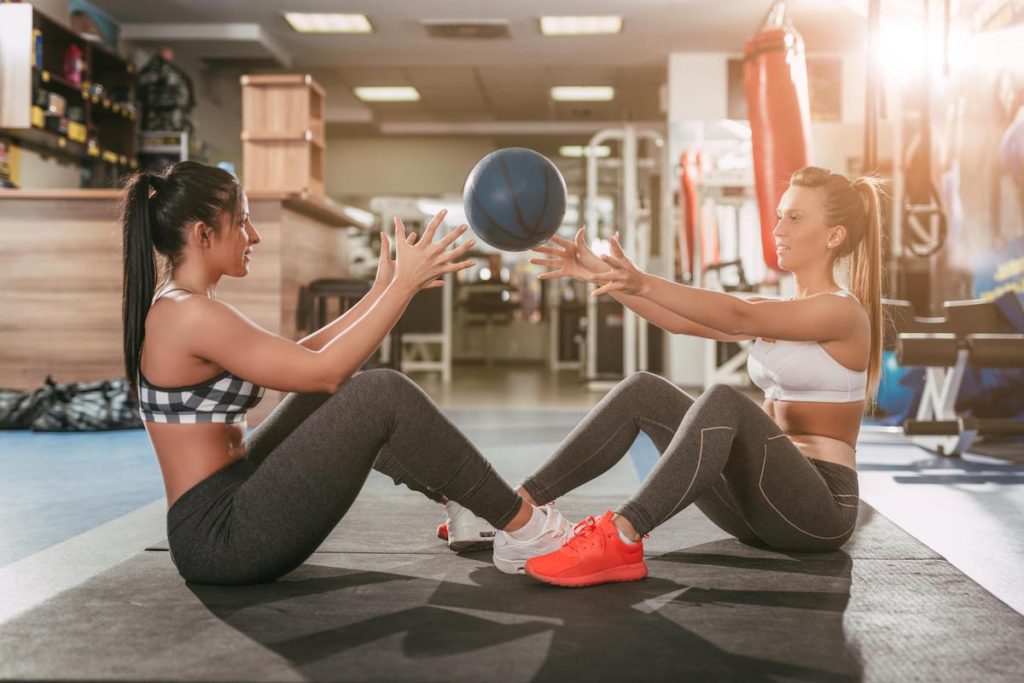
<point x="514" y="199"/>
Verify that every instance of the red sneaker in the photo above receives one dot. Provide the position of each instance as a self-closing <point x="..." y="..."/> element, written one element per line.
<point x="442" y="531"/>
<point x="595" y="554"/>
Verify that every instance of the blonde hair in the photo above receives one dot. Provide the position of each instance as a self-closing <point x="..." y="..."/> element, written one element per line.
<point x="857" y="206"/>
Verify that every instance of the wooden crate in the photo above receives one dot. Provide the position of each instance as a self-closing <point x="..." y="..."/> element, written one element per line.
<point x="283" y="134"/>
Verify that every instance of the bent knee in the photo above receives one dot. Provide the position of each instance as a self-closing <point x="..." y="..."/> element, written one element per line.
<point x="643" y="379"/>
<point x="721" y="392"/>
<point x="378" y="379"/>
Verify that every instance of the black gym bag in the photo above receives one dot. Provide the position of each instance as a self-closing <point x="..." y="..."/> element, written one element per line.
<point x="72" y="407"/>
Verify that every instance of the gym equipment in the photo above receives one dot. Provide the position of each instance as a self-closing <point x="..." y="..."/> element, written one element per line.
<point x="923" y="219"/>
<point x="724" y="255"/>
<point x="514" y="199"/>
<point x="977" y="336"/>
<point x="775" y="80"/>
<point x="897" y="390"/>
<point x="689" y="178"/>
<point x="917" y="222"/>
<point x="634" y="229"/>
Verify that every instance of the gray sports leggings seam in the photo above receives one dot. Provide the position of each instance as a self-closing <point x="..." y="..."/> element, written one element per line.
<point x="582" y="462"/>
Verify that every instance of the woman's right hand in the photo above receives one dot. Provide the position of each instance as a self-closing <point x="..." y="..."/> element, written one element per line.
<point x="421" y="265"/>
<point x="573" y="259"/>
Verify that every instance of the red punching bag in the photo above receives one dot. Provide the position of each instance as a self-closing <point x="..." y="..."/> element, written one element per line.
<point x="688" y="169"/>
<point x="775" y="80"/>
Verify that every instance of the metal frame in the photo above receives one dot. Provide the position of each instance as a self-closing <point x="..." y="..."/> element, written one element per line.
<point x="420" y="357"/>
<point x="635" y="232"/>
<point x="733" y="371"/>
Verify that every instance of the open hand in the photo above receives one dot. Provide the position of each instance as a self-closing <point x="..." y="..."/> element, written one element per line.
<point x="386" y="264"/>
<point x="419" y="264"/>
<point x="622" y="276"/>
<point x="573" y="259"/>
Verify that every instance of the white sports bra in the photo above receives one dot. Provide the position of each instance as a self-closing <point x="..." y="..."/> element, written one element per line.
<point x="803" y="371"/>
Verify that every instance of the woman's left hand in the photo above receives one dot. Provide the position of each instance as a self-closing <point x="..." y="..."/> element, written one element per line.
<point x="623" y="277"/>
<point x="386" y="264"/>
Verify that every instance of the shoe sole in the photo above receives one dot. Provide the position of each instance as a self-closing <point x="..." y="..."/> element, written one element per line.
<point x="510" y="566"/>
<point x="614" y="575"/>
<point x="466" y="546"/>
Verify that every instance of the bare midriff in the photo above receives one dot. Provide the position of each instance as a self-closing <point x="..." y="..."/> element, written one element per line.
<point x="189" y="453"/>
<point x="836" y="421"/>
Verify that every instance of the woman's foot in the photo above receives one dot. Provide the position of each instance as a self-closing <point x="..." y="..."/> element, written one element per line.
<point x="464" y="531"/>
<point x="511" y="550"/>
<point x="597" y="553"/>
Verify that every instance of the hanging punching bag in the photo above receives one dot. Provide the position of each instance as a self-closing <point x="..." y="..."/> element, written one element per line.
<point x="775" y="80"/>
<point x="688" y="169"/>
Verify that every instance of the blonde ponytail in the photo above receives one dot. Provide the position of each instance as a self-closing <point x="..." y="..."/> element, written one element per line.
<point x="866" y="274"/>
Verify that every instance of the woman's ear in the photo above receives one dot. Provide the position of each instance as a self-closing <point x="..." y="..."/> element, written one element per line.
<point x="200" y="234"/>
<point x="836" y="236"/>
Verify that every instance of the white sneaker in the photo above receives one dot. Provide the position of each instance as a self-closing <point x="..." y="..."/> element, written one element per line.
<point x="510" y="555"/>
<point x="466" y="531"/>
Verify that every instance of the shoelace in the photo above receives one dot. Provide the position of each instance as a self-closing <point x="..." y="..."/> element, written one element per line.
<point x="553" y="525"/>
<point x="585" y="535"/>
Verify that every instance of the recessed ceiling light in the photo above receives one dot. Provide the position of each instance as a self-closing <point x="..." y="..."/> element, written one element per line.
<point x="304" y="22"/>
<point x="580" y="26"/>
<point x="576" y="151"/>
<point x="576" y="93"/>
<point x="397" y="93"/>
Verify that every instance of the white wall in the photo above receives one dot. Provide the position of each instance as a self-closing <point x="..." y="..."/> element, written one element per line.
<point x="698" y="86"/>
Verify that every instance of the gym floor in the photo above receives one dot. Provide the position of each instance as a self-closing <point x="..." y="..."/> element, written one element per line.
<point x="929" y="588"/>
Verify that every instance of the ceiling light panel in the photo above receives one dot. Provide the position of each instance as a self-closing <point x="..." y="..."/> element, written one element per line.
<point x="304" y="22"/>
<point x="404" y="93"/>
<point x="577" y="151"/>
<point x="580" y="26"/>
<point x="577" y="93"/>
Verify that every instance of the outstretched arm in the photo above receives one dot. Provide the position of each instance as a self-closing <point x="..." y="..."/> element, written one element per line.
<point x="814" y="318"/>
<point x="578" y="261"/>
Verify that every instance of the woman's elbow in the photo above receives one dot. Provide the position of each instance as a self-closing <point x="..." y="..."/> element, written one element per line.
<point x="740" y="322"/>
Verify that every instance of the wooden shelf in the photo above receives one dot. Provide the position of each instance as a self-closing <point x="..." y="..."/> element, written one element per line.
<point x="51" y="143"/>
<point x="110" y="126"/>
<point x="51" y="80"/>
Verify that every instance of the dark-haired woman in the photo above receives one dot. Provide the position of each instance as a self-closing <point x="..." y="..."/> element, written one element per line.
<point x="250" y="509"/>
<point x="781" y="474"/>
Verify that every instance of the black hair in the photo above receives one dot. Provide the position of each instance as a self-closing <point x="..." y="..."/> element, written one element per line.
<point x="155" y="210"/>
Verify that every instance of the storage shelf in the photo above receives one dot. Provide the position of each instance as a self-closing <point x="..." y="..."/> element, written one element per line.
<point x="53" y="143"/>
<point x="29" y="69"/>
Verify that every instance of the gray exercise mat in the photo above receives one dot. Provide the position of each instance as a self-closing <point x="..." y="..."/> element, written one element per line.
<point x="405" y="522"/>
<point x="884" y="609"/>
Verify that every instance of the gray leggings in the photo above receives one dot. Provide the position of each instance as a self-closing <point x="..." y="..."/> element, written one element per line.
<point x="720" y="451"/>
<point x="263" y="515"/>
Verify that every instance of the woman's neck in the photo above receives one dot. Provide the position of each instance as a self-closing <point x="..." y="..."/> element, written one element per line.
<point x="809" y="284"/>
<point x="199" y="283"/>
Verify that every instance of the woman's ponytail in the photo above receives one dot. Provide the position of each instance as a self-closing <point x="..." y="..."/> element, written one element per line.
<point x="139" y="269"/>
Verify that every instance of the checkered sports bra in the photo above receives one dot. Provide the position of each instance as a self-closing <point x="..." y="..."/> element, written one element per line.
<point x="803" y="371"/>
<point x="224" y="399"/>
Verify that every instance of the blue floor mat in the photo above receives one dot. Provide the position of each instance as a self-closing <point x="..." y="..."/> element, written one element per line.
<point x="56" y="486"/>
